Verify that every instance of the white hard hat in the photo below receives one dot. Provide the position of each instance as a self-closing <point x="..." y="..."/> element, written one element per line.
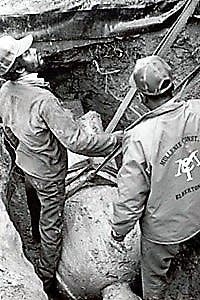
<point x="152" y="75"/>
<point x="10" y="49"/>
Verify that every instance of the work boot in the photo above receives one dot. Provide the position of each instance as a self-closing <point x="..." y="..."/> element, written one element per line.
<point x="35" y="233"/>
<point x="36" y="237"/>
<point x="58" y="296"/>
<point x="54" y="293"/>
<point x="52" y="287"/>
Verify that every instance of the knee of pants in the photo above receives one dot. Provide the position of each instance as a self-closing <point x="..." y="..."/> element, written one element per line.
<point x="155" y="262"/>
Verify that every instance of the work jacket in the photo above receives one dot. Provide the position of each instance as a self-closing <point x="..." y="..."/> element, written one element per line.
<point x="45" y="129"/>
<point x="159" y="181"/>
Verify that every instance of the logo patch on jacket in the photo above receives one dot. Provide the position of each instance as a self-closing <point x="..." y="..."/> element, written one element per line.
<point x="187" y="164"/>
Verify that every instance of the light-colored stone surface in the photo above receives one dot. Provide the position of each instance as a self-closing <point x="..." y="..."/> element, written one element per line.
<point x="91" y="260"/>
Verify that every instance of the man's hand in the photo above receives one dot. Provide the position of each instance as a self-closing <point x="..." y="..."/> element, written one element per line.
<point x="117" y="237"/>
<point x="119" y="135"/>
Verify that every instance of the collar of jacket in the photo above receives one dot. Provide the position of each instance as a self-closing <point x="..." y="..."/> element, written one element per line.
<point x="170" y="105"/>
<point x="33" y="79"/>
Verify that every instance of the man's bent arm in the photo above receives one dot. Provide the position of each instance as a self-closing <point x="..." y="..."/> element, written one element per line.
<point x="71" y="135"/>
<point x="133" y="188"/>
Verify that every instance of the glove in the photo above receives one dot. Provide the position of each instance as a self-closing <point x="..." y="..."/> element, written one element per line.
<point x="119" y="135"/>
<point x="117" y="237"/>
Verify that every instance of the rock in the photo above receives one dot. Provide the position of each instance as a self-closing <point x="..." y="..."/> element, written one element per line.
<point x="93" y="264"/>
<point x="91" y="260"/>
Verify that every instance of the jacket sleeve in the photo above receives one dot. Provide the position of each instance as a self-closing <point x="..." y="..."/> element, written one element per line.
<point x="61" y="122"/>
<point x="133" y="187"/>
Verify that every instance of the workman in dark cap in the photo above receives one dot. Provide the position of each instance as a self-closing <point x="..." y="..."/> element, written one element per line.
<point x="159" y="181"/>
<point x="44" y="130"/>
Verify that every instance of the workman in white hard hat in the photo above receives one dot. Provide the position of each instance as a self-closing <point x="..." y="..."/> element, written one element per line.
<point x="159" y="181"/>
<point x="44" y="130"/>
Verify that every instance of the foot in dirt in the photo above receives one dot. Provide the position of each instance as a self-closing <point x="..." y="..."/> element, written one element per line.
<point x="58" y="295"/>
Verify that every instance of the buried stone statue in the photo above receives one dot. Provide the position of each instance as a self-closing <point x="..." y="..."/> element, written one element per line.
<point x="92" y="264"/>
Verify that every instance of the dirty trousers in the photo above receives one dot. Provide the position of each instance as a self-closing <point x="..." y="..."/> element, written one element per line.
<point x="52" y="197"/>
<point x="155" y="264"/>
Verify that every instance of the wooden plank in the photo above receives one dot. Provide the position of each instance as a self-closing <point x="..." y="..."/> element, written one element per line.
<point x="177" y="27"/>
<point x="121" y="109"/>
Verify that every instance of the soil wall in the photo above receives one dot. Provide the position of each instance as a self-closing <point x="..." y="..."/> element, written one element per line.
<point x="89" y="84"/>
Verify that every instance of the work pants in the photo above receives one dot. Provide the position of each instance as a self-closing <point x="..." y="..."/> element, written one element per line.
<point x="156" y="260"/>
<point x="34" y="206"/>
<point x="52" y="198"/>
